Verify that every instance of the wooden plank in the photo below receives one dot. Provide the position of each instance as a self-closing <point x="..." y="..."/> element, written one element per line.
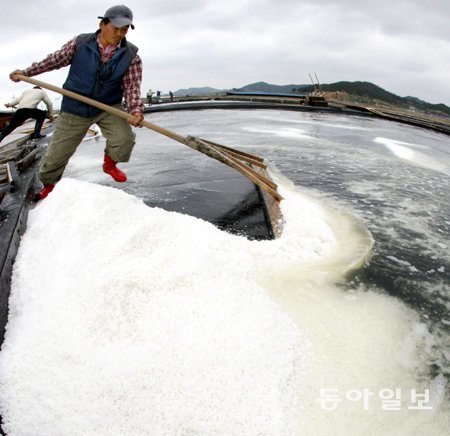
<point x="9" y="155"/>
<point x="274" y="215"/>
<point x="26" y="161"/>
<point x="4" y="187"/>
<point x="13" y="175"/>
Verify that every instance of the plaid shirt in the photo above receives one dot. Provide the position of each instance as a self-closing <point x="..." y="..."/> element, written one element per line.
<point x="131" y="82"/>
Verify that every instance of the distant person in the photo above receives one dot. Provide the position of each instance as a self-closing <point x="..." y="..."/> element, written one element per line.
<point x="171" y="95"/>
<point x="149" y="96"/>
<point x="27" y="108"/>
<point x="104" y="66"/>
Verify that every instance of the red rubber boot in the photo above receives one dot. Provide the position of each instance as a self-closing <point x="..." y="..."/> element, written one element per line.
<point x="109" y="167"/>
<point x="45" y="191"/>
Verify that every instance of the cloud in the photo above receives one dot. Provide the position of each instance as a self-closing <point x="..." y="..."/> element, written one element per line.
<point x="403" y="46"/>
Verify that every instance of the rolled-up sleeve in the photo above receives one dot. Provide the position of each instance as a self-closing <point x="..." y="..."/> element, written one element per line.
<point x="131" y="86"/>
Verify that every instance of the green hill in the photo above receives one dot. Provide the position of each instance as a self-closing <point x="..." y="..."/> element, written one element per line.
<point x="197" y="91"/>
<point x="365" y="93"/>
<point x="359" y="92"/>
<point x="267" y="87"/>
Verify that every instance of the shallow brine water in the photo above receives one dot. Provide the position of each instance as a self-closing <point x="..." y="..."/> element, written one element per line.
<point x="131" y="320"/>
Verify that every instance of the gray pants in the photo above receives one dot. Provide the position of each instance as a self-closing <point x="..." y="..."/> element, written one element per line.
<point x="69" y="132"/>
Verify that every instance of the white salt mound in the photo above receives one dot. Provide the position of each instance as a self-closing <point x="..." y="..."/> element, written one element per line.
<point x="126" y="319"/>
<point x="130" y="320"/>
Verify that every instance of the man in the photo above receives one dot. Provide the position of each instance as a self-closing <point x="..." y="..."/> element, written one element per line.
<point x="104" y="66"/>
<point x="27" y="108"/>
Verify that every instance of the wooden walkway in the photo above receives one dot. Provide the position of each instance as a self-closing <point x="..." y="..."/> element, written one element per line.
<point x="440" y="124"/>
<point x="16" y="157"/>
<point x="223" y="101"/>
<point x="427" y="121"/>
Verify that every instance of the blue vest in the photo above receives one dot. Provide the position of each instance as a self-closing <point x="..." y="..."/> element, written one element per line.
<point x="90" y="77"/>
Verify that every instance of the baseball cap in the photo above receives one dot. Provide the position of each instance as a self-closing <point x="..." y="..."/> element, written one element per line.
<point x="120" y="16"/>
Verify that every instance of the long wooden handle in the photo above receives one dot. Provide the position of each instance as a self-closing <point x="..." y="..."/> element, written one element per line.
<point x="102" y="106"/>
<point x="264" y="183"/>
<point x="210" y="149"/>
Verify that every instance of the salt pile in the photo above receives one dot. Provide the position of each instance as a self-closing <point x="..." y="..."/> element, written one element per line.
<point x="132" y="320"/>
<point x="125" y="318"/>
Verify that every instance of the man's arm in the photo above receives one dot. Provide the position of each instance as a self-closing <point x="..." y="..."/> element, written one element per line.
<point x="14" y="102"/>
<point x="48" y="103"/>
<point x="131" y="85"/>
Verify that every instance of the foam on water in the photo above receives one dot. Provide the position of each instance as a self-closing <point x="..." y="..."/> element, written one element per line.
<point x="310" y="120"/>
<point x="408" y="151"/>
<point x="286" y="132"/>
<point x="129" y="320"/>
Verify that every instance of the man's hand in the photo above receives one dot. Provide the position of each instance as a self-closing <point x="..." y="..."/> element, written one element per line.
<point x="13" y="75"/>
<point x="136" y="119"/>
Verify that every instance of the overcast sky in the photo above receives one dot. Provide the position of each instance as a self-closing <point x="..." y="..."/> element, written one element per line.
<point x="400" y="45"/>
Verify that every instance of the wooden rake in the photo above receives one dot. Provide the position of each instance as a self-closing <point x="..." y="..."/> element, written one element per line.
<point x="236" y="159"/>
